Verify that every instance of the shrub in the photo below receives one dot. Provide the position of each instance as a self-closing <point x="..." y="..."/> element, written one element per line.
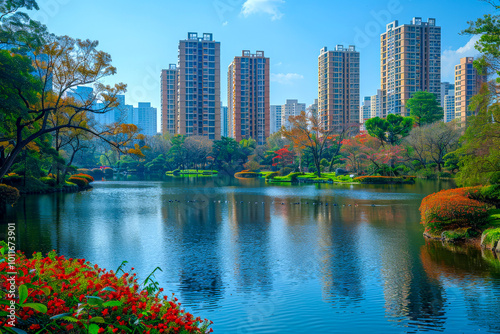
<point x="48" y="181"/>
<point x="85" y="176"/>
<point x="285" y="171"/>
<point x="384" y="179"/>
<point x="108" y="171"/>
<point x="97" y="172"/>
<point x="495" y="178"/>
<point x="61" y="295"/>
<point x="490" y="238"/>
<point x="83" y="170"/>
<point x="13" y="179"/>
<point x="449" y="209"/>
<point x="79" y="181"/>
<point x="488" y="194"/>
<point x="246" y="175"/>
<point x="8" y="195"/>
<point x="271" y="175"/>
<point x="445" y="175"/>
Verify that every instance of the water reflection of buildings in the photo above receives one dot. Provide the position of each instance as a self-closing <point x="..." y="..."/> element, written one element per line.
<point x="248" y="241"/>
<point x="195" y="221"/>
<point x="340" y="261"/>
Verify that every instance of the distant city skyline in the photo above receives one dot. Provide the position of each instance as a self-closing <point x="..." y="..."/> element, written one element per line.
<point x="267" y="25"/>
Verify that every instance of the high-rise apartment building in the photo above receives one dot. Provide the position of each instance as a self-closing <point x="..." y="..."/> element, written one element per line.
<point x="198" y="87"/>
<point x="449" y="106"/>
<point x="445" y="88"/>
<point x="275" y="119"/>
<point x="248" y="91"/>
<point x="145" y="118"/>
<point x="410" y="62"/>
<point x="376" y="107"/>
<point x="169" y="99"/>
<point x="291" y="108"/>
<point x="365" y="110"/>
<point x="467" y="84"/>
<point x="223" y="121"/>
<point x="338" y="87"/>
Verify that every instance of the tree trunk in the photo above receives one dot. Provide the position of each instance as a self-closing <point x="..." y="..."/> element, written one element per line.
<point x="10" y="160"/>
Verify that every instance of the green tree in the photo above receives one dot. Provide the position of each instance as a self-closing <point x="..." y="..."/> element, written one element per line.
<point x="390" y="130"/>
<point x="479" y="156"/>
<point x="424" y="108"/>
<point x="17" y="29"/>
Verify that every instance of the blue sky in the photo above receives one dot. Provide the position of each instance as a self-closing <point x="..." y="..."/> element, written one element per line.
<point x="142" y="36"/>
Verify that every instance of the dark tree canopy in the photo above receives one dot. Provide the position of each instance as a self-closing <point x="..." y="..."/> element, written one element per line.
<point x="424" y="108"/>
<point x="389" y="130"/>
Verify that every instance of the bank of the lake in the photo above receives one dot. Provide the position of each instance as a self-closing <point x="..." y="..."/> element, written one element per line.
<point x="264" y="258"/>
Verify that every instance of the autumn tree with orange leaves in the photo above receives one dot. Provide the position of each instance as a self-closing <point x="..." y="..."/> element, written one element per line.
<point x="59" y="66"/>
<point x="307" y="131"/>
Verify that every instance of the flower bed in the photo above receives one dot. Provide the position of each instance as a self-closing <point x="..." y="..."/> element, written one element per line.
<point x="60" y="295"/>
<point x="385" y="179"/>
<point x="451" y="209"/>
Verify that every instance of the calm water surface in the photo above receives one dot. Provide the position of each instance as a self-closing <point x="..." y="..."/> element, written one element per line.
<point x="275" y="259"/>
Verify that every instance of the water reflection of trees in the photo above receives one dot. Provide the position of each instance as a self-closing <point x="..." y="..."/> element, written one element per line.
<point x="470" y="269"/>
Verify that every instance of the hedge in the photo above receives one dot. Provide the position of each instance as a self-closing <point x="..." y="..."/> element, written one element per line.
<point x="49" y="181"/>
<point x="8" y="195"/>
<point x="84" y="176"/>
<point x="450" y="209"/>
<point x="246" y="175"/>
<point x="79" y="181"/>
<point x="384" y="179"/>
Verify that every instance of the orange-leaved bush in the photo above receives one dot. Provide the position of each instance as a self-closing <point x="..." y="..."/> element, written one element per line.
<point x="79" y="181"/>
<point x="453" y="209"/>
<point x="85" y="176"/>
<point x="65" y="295"/>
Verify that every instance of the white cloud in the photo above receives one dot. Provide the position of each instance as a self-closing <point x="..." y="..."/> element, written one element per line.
<point x="286" y="78"/>
<point x="225" y="23"/>
<point x="450" y="58"/>
<point x="263" y="6"/>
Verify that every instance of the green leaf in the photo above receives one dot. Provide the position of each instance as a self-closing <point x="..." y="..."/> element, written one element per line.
<point x="70" y="319"/>
<point x="112" y="303"/>
<point x="93" y="329"/>
<point x="46" y="291"/>
<point x="98" y="320"/>
<point x="92" y="300"/>
<point x="58" y="316"/>
<point x="36" y="306"/>
<point x="23" y="294"/>
<point x="108" y="288"/>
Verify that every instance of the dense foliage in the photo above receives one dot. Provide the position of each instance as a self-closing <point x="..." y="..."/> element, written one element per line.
<point x="60" y="295"/>
<point x="454" y="208"/>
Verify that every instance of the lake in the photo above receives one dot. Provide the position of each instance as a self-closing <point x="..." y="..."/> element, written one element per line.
<point x="257" y="258"/>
